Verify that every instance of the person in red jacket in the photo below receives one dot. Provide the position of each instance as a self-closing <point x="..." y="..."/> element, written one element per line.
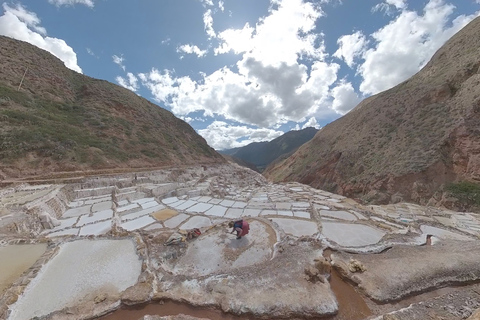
<point x="240" y="226"/>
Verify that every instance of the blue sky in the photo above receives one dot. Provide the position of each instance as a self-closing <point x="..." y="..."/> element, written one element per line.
<point x="241" y="71"/>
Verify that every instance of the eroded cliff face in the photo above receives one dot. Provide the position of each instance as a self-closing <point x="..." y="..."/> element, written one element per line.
<point x="407" y="143"/>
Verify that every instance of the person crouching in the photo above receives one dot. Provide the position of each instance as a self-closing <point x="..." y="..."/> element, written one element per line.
<point x="240" y="226"/>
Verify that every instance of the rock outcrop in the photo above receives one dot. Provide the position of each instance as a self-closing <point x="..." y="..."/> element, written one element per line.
<point x="404" y="144"/>
<point x="387" y="277"/>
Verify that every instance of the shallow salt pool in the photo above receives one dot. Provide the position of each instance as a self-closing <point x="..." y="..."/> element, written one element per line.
<point x="79" y="269"/>
<point x="16" y="259"/>
<point x="351" y="235"/>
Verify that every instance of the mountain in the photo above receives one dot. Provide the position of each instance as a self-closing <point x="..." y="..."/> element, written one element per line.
<point x="261" y="154"/>
<point x="411" y="142"/>
<point x="59" y="120"/>
<point x="240" y="162"/>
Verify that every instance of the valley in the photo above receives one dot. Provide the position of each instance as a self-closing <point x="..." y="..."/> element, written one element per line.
<point x="310" y="253"/>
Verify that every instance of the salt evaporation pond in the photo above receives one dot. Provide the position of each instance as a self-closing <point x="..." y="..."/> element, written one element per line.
<point x="16" y="259"/>
<point x="79" y="269"/>
<point x="350" y="234"/>
<point x="218" y="250"/>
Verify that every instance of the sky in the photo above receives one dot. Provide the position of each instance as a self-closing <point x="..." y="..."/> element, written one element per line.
<point x="242" y="71"/>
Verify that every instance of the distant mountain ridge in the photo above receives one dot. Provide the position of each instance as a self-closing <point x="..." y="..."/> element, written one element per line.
<point x="408" y="143"/>
<point x="60" y="120"/>
<point x="261" y="154"/>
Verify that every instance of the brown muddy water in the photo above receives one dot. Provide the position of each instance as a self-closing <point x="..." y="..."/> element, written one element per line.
<point x="351" y="304"/>
<point x="16" y="259"/>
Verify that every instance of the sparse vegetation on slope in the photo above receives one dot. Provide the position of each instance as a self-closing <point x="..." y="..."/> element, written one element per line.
<point x="406" y="143"/>
<point x="467" y="192"/>
<point x="60" y="120"/>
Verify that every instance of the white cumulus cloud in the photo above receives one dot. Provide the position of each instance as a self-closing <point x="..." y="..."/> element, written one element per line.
<point x="351" y="47"/>
<point x="268" y="86"/>
<point x="399" y="4"/>
<point x="344" y="97"/>
<point x="274" y="41"/>
<point x="19" y="23"/>
<point x="312" y="122"/>
<point x="192" y="49"/>
<point x="220" y="135"/>
<point x="236" y="40"/>
<point x="161" y="84"/>
<point x="119" y="60"/>
<point x="208" y="22"/>
<point x="58" y="3"/>
<point x="130" y="82"/>
<point x="207" y="3"/>
<point x="406" y="44"/>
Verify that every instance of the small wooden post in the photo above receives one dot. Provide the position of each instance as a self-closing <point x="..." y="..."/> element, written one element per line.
<point x="22" y="79"/>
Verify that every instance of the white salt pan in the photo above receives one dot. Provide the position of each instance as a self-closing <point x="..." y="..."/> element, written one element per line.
<point x="79" y="268"/>
<point x="144" y="200"/>
<point x="97" y="200"/>
<point x="75" y="204"/>
<point x="441" y="233"/>
<point x="283" y="205"/>
<point x="98" y="216"/>
<point x="178" y="203"/>
<point x="122" y="203"/>
<point x="126" y="208"/>
<point x="351" y="235"/>
<point x="102" y="206"/>
<point x="251" y="212"/>
<point x="138" y="223"/>
<point x="285" y="213"/>
<point x="296" y="227"/>
<point x="64" y="223"/>
<point x="175" y="221"/>
<point x="227" y="203"/>
<point x="239" y="204"/>
<point x="150" y="204"/>
<point x="301" y="204"/>
<point x="96" y="228"/>
<point x="75" y="212"/>
<point x="68" y="232"/>
<point x="338" y="214"/>
<point x="234" y="213"/>
<point x="196" y="222"/>
<point x="187" y="204"/>
<point x="301" y="214"/>
<point x="200" y="208"/>
<point x="269" y="213"/>
<point x="204" y="199"/>
<point x="218" y="211"/>
<point x="170" y="200"/>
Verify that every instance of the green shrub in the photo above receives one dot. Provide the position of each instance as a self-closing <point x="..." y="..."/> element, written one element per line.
<point x="465" y="191"/>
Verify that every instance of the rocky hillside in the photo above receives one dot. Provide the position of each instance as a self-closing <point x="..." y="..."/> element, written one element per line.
<point x="261" y="154"/>
<point x="61" y="120"/>
<point x="407" y="143"/>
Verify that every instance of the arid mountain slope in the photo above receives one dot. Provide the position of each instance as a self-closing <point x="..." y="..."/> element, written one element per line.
<point x="60" y="120"/>
<point x="261" y="154"/>
<point x="407" y="142"/>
